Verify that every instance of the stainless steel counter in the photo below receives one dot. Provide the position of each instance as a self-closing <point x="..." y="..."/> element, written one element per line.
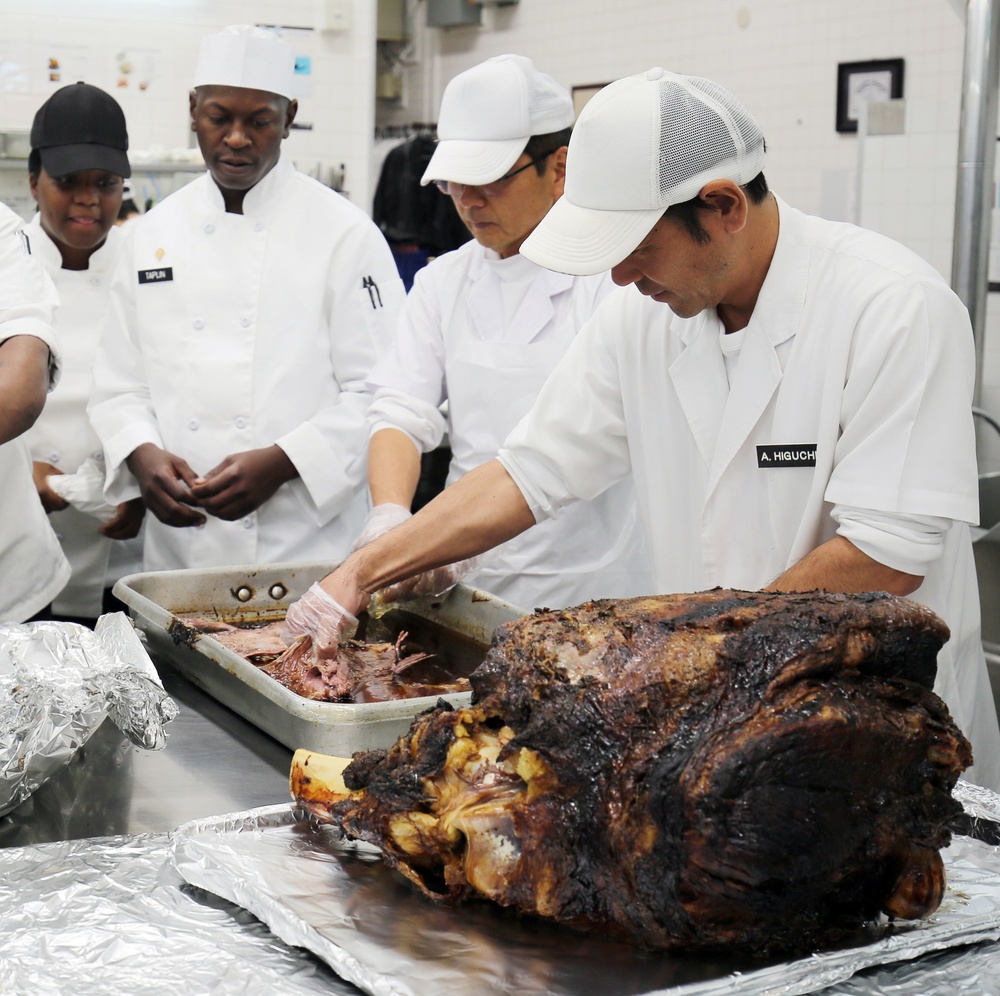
<point x="121" y="803"/>
<point x="214" y="762"/>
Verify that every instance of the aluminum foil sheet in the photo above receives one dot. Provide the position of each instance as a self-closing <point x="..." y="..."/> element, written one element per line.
<point x="338" y="900"/>
<point x="58" y="681"/>
<point x="107" y="917"/>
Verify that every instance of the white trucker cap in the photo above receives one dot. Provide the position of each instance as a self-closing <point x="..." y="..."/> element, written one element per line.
<point x="487" y="115"/>
<point x="640" y="145"/>
<point x="246" y="56"/>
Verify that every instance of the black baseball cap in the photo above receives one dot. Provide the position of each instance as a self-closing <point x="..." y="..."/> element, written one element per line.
<point x="81" y="127"/>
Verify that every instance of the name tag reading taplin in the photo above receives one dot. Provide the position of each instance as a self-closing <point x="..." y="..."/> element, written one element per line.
<point x="157" y="276"/>
<point x="787" y="455"/>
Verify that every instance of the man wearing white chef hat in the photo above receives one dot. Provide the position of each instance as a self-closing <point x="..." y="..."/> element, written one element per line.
<point x="798" y="416"/>
<point x="482" y="328"/>
<point x="246" y="314"/>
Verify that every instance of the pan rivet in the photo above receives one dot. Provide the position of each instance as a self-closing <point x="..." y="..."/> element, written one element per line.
<point x="278" y="591"/>
<point x="244" y="594"/>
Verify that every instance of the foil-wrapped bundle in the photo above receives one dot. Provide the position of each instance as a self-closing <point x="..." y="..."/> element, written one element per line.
<point x="58" y="682"/>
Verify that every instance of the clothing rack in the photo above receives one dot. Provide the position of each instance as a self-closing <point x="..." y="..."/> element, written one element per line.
<point x="409" y="130"/>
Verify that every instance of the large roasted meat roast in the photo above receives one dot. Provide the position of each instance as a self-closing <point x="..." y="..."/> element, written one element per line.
<point x="760" y="772"/>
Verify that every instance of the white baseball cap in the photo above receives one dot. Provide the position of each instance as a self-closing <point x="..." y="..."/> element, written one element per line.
<point x="641" y="144"/>
<point x="246" y="56"/>
<point x="487" y="115"/>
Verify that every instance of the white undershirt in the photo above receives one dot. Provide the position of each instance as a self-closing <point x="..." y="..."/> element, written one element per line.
<point x="515" y="275"/>
<point x="731" y="343"/>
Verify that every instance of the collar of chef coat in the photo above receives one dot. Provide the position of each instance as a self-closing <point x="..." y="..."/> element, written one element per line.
<point x="722" y="416"/>
<point x="48" y="252"/>
<point x="261" y="193"/>
<point x="484" y="302"/>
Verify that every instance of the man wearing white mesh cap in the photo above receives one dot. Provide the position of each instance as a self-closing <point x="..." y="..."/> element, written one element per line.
<point x="797" y="417"/>
<point x="246" y="313"/>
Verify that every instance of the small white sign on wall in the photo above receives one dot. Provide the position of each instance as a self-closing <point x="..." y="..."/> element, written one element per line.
<point x="14" y="75"/>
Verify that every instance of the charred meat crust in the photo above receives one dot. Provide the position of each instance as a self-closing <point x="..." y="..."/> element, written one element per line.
<point x="740" y="770"/>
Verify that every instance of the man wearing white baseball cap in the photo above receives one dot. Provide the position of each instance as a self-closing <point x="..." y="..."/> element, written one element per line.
<point x="247" y="311"/>
<point x="798" y="416"/>
<point x="482" y="328"/>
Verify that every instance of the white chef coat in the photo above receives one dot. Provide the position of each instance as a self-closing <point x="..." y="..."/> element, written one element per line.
<point x="858" y="350"/>
<point x="32" y="567"/>
<point x="231" y="332"/>
<point x="483" y="333"/>
<point x="63" y="436"/>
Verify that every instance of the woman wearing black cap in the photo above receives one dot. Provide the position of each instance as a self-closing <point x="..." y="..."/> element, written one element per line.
<point x="76" y="171"/>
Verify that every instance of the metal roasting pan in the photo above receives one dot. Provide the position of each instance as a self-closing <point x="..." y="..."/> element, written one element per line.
<point x="262" y="592"/>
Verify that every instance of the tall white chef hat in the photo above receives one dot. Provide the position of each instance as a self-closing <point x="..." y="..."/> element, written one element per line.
<point x="487" y="115"/>
<point x="642" y="144"/>
<point x="246" y="56"/>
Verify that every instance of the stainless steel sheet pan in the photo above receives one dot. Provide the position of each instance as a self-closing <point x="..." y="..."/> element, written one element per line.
<point x="263" y="592"/>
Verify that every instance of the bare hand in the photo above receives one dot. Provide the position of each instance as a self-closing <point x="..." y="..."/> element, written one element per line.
<point x="126" y="522"/>
<point x="165" y="481"/>
<point x="243" y="482"/>
<point x="51" y="502"/>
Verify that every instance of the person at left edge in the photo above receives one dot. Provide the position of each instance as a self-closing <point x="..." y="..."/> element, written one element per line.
<point x="75" y="171"/>
<point x="33" y="568"/>
<point x="246" y="311"/>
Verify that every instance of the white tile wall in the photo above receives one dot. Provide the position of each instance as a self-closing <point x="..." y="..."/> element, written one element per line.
<point x="166" y="34"/>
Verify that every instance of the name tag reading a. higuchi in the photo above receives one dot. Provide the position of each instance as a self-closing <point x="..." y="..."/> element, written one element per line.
<point x="787" y="455"/>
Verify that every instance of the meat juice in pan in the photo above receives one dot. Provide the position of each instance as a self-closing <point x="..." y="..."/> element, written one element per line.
<point x="448" y="658"/>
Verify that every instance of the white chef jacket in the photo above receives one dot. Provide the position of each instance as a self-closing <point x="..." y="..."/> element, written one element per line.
<point x="483" y="333"/>
<point x="858" y="358"/>
<point x="32" y="567"/>
<point x="231" y="332"/>
<point x="62" y="435"/>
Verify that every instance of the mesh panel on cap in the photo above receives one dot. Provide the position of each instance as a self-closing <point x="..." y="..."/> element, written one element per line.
<point x="702" y="126"/>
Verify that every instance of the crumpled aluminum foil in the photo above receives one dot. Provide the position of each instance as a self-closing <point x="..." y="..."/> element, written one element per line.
<point x="58" y="682"/>
<point x="108" y="917"/>
<point x="111" y="915"/>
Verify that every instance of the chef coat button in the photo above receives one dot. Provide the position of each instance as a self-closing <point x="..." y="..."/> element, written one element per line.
<point x="209" y="229"/>
<point x="53" y="458"/>
<point x="98" y="455"/>
<point x="198" y="323"/>
<point x="193" y="424"/>
<point x="258" y="226"/>
<point x="241" y="422"/>
<point x="248" y="522"/>
<point x="95" y="281"/>
<point x="246" y="322"/>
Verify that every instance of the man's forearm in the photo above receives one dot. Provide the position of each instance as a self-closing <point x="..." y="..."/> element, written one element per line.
<point x="24" y="383"/>
<point x="483" y="509"/>
<point x="838" y="565"/>
<point x="393" y="468"/>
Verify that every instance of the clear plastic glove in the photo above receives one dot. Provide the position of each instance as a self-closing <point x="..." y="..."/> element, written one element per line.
<point x="380" y="520"/>
<point x="435" y="582"/>
<point x="319" y="615"/>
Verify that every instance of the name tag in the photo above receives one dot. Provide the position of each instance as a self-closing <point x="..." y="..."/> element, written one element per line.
<point x="156" y="276"/>
<point x="788" y="455"/>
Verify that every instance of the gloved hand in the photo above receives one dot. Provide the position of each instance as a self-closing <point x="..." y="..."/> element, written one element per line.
<point x="380" y="520"/>
<point x="319" y="615"/>
<point x="434" y="582"/>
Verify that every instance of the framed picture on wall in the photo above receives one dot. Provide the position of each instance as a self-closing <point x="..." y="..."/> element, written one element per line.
<point x="863" y="82"/>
